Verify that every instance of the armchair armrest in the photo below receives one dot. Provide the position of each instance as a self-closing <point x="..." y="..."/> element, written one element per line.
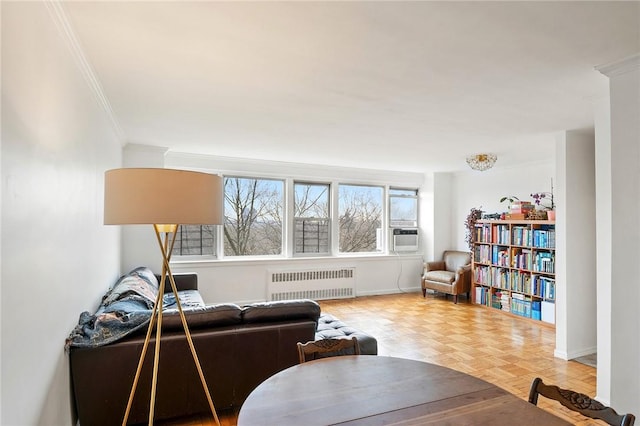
<point x="463" y="269"/>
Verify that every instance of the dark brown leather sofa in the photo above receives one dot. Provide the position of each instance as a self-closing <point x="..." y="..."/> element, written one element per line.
<point x="238" y="348"/>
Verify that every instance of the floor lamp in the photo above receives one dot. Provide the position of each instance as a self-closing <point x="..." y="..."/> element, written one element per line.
<point x="164" y="198"/>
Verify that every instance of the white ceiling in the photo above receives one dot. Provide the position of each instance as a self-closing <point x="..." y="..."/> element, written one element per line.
<point x="413" y="86"/>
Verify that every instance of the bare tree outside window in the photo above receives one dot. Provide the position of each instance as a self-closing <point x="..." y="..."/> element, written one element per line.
<point x="253" y="210"/>
<point x="311" y="218"/>
<point x="360" y="210"/>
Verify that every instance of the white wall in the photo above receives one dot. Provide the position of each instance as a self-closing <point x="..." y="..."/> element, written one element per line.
<point x="244" y="282"/>
<point x="602" y="118"/>
<point x="576" y="246"/>
<point x="485" y="189"/>
<point x="622" y="328"/>
<point x="57" y="256"/>
<point x="443" y="219"/>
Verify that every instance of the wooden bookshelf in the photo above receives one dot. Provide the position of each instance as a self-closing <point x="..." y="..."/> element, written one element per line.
<point x="514" y="267"/>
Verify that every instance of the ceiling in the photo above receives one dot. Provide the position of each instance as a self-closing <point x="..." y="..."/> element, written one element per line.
<point x="407" y="86"/>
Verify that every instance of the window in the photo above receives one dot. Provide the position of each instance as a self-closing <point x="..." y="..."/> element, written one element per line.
<point x="256" y="221"/>
<point x="312" y="224"/>
<point x="403" y="208"/>
<point x="360" y="210"/>
<point x="195" y="240"/>
<point x="253" y="216"/>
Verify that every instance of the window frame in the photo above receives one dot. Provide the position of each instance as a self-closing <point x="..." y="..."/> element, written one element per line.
<point x="414" y="196"/>
<point x="329" y="217"/>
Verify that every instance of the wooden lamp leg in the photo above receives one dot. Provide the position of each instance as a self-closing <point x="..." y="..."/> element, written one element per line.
<point x="166" y="249"/>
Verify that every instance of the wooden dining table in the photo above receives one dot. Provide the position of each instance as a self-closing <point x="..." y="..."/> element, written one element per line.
<point x="380" y="390"/>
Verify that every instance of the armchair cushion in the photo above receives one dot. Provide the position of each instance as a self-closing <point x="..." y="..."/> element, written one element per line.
<point x="440" y="276"/>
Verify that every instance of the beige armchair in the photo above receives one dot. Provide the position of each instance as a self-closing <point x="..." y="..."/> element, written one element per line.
<point x="451" y="275"/>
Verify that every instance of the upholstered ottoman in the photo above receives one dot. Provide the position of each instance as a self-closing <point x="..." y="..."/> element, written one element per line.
<point x="330" y="327"/>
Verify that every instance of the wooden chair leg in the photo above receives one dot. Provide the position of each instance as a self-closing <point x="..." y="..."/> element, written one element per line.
<point x="455" y="299"/>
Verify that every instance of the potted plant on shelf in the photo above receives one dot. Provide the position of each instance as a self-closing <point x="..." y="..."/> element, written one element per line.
<point x="472" y="217"/>
<point x="544" y="201"/>
<point x="511" y="199"/>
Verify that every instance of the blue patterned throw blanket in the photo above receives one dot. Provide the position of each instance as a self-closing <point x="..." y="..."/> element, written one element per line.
<point x="125" y="308"/>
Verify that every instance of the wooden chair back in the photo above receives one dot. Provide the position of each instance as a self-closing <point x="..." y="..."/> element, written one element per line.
<point x="310" y="350"/>
<point x="579" y="402"/>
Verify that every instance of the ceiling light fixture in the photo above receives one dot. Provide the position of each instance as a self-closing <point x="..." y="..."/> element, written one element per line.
<point x="481" y="162"/>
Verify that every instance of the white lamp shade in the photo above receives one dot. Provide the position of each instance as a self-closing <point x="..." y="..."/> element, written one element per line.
<point x="162" y="196"/>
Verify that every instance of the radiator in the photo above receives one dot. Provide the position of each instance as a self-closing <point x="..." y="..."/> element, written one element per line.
<point x="316" y="284"/>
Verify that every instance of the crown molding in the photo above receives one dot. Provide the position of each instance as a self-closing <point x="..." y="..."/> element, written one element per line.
<point x="620" y="67"/>
<point x="61" y="20"/>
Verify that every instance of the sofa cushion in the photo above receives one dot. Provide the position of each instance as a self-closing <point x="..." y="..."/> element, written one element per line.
<point x="281" y="311"/>
<point x="329" y="327"/>
<point x="189" y="299"/>
<point x="206" y="316"/>
<point x="440" y="276"/>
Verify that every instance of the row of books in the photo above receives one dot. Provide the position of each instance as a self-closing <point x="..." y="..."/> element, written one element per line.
<point x="518" y="281"/>
<point x="521" y="282"/>
<point x="544" y="262"/>
<point x="521" y="236"/>
<point x="518" y="235"/>
<point x="525" y="307"/>
<point x="482" y="254"/>
<point x="500" y="234"/>
<point x="518" y="304"/>
<point x="521" y="258"/>
<point x="481" y="295"/>
<point x="482" y="233"/>
<point x="544" y="287"/>
<point x="499" y="256"/>
<point x="544" y="238"/>
<point x="500" y="278"/>
<point x="481" y="275"/>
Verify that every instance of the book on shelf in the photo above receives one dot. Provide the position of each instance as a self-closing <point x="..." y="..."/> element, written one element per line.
<point x="481" y="295"/>
<point x="505" y="302"/>
<point x="536" y="310"/>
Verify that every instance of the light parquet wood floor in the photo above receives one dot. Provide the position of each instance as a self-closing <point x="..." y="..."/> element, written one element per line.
<point x="499" y="348"/>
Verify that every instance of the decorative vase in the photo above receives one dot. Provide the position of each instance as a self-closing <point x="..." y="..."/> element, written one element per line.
<point x="551" y="215"/>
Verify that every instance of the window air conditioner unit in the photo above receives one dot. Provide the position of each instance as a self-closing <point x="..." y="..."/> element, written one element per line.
<point x="405" y="240"/>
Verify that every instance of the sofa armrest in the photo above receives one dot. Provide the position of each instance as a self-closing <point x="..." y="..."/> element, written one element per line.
<point x="434" y="266"/>
<point x="184" y="281"/>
